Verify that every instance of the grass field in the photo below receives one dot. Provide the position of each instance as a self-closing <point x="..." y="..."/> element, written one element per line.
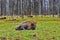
<point x="48" y="28"/>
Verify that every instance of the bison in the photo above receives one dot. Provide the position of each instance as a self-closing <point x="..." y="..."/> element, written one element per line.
<point x="28" y="25"/>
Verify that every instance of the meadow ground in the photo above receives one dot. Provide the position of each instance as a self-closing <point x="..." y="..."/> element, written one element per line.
<point x="48" y="28"/>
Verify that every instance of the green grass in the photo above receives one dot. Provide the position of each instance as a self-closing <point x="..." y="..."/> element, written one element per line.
<point x="48" y="28"/>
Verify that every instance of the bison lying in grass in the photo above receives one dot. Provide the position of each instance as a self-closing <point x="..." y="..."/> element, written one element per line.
<point x="28" y="25"/>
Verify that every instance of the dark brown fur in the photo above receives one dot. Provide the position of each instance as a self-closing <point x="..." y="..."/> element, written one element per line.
<point x="28" y="25"/>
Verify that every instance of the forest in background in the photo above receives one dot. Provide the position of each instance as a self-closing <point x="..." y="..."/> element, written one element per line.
<point x="29" y="7"/>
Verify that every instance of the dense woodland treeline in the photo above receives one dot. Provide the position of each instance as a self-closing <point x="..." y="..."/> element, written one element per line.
<point x="29" y="7"/>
